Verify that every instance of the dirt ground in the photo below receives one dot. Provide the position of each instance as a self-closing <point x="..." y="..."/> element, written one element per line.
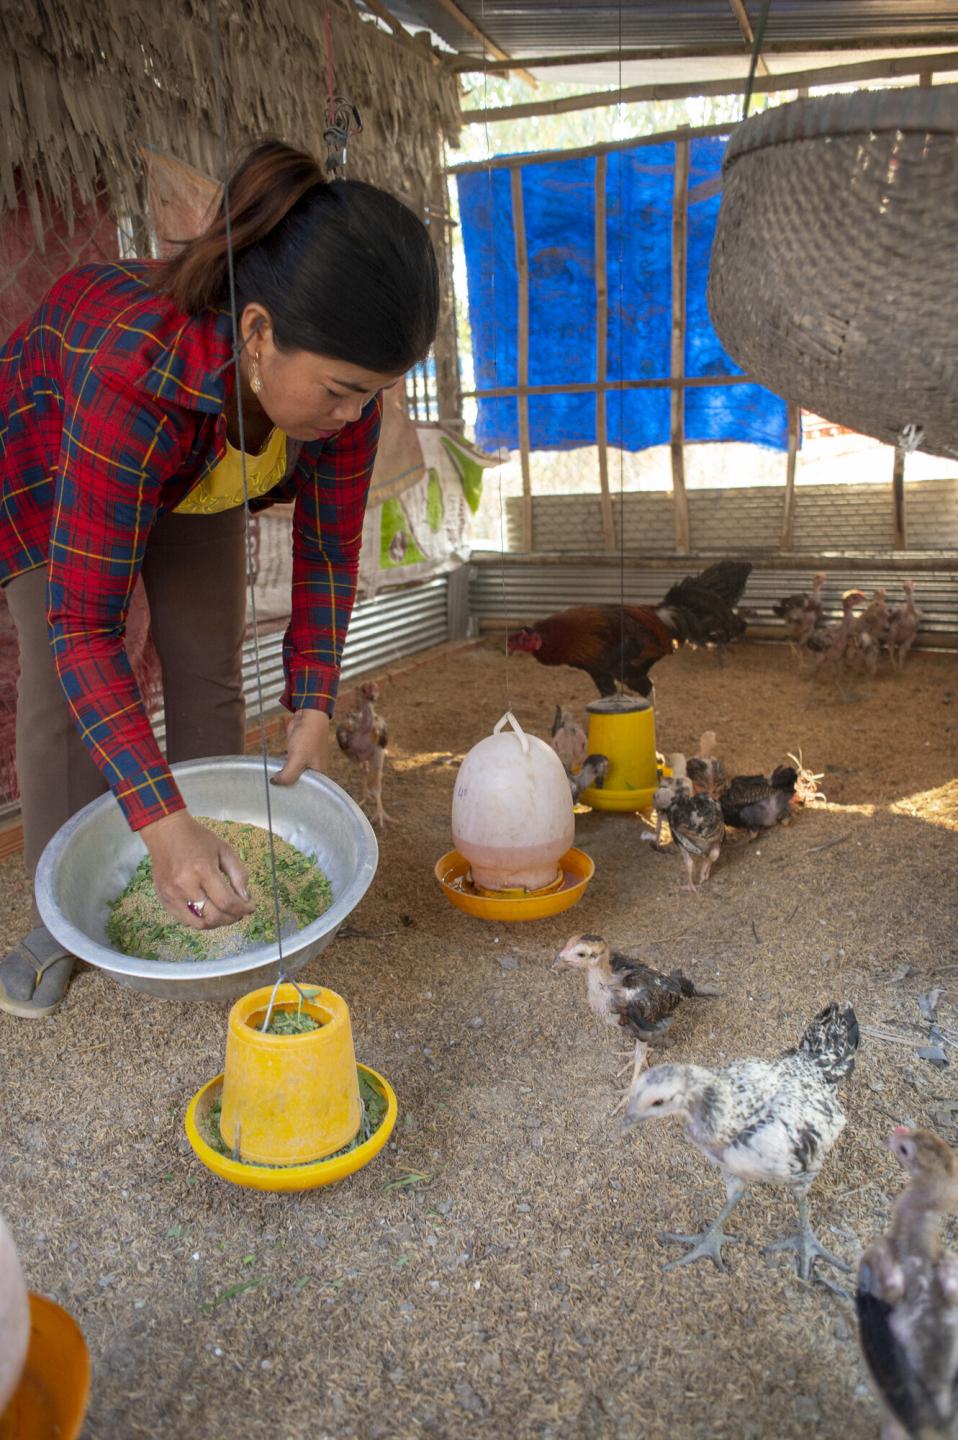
<point x="497" y="1271"/>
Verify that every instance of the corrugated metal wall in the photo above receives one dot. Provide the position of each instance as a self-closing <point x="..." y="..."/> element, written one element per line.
<point x="517" y="592"/>
<point x="383" y="630"/>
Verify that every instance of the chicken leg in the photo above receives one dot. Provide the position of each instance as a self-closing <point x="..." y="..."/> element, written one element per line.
<point x="639" y="1058"/>
<point x="708" y="1244"/>
<point x="805" y="1242"/>
<point x="373" y="787"/>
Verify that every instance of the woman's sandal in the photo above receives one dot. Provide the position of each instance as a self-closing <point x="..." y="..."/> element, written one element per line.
<point x="34" y="976"/>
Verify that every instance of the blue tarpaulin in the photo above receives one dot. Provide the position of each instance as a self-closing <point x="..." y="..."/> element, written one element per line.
<point x="558" y="200"/>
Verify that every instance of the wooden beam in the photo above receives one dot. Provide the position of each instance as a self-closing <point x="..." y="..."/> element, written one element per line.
<point x="601" y="352"/>
<point x="583" y="152"/>
<point x="680" y="214"/>
<point x="764" y="85"/>
<point x="788" y="507"/>
<point x="471" y="28"/>
<point x="587" y="387"/>
<point x="522" y="357"/>
<point x="898" y="499"/>
<point x="748" y="34"/>
<point x="477" y="64"/>
<point x="425" y="52"/>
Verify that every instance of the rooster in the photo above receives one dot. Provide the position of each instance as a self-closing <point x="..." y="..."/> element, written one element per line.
<point x="622" y="642"/>
<point x="769" y="1121"/>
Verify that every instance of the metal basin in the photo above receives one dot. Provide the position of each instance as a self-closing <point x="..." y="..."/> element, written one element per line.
<point x="90" y="860"/>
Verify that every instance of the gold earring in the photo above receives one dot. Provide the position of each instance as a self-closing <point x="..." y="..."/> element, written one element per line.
<point x="255" y="378"/>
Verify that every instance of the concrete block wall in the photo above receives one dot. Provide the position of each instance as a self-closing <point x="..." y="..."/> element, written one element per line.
<point x="827" y="517"/>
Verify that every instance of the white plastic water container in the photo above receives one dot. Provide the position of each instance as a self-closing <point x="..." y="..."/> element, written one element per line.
<point x="512" y="815"/>
<point x="14" y="1317"/>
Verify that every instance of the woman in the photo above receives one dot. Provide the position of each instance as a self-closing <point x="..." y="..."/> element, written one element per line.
<point x="120" y="430"/>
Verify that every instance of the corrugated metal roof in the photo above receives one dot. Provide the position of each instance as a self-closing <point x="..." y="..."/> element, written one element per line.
<point x="525" y="28"/>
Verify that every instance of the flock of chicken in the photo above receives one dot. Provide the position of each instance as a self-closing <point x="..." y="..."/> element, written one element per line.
<point x="774" y="1122"/>
<point x="759" y="1121"/>
<point x="696" y="796"/>
<point x="867" y="629"/>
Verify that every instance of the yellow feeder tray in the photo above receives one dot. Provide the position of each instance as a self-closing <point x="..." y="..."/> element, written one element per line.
<point x="285" y="1178"/>
<point x="622" y="727"/>
<point x="452" y="872"/>
<point x="51" y="1399"/>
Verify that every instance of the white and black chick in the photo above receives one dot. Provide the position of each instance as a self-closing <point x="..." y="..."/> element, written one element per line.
<point x="769" y="1122"/>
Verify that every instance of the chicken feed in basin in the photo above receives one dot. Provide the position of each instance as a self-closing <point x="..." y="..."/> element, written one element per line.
<point x="324" y="840"/>
<point x="513" y="826"/>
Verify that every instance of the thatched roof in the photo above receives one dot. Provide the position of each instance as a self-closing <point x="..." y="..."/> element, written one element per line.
<point x="84" y="84"/>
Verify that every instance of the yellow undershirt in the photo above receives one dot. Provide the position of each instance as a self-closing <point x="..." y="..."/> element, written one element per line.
<point x="222" y="488"/>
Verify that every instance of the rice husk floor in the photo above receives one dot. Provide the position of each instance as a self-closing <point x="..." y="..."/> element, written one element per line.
<point x="497" y="1271"/>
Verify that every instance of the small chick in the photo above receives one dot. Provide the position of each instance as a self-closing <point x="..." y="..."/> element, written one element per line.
<point x="772" y="1121"/>
<point x="569" y="740"/>
<point x="363" y="736"/>
<point x="705" y="770"/>
<point x="758" y="802"/>
<point x="594" y="772"/>
<point x="698" y="829"/>
<point x="669" y="788"/>
<point x="624" y="992"/>
<point x="903" y="625"/>
<point x="907" y="1297"/>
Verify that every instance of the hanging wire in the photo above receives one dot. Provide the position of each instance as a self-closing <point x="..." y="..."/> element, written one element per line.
<point x="506" y="668"/>
<point x="621" y="160"/>
<point x="218" y="70"/>
<point x="756" y="51"/>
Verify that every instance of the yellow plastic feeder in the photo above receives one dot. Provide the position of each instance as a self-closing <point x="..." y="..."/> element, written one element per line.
<point x="622" y="727"/>
<point x="289" y="1099"/>
<point x="51" y="1398"/>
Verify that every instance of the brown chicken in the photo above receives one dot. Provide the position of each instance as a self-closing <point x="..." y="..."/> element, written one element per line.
<point x="363" y="737"/>
<point x="621" y="643"/>
<point x="907" y="1297"/>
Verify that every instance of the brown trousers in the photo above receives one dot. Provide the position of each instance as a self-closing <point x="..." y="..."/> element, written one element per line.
<point x="194" y="571"/>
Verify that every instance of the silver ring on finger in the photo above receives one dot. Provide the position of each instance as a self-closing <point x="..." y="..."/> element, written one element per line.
<point x="196" y="907"/>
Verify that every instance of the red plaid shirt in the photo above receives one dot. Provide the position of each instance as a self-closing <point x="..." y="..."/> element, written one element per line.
<point x="112" y="408"/>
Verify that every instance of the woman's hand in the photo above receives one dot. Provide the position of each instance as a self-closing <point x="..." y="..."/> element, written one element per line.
<point x="190" y="863"/>
<point x="307" y="745"/>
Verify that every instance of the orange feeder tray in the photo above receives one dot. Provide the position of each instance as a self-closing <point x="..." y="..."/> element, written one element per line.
<point x="576" y="870"/>
<point x="51" y="1399"/>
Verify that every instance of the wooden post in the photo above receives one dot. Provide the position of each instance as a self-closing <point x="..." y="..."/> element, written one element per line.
<point x="680" y="500"/>
<point x="898" y="498"/>
<point x="446" y="347"/>
<point x="601" y="353"/>
<point x="788" y="508"/>
<point x="522" y="377"/>
<point x="925" y="79"/>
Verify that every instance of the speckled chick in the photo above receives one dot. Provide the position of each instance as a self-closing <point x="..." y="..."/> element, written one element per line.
<point x="771" y="1122"/>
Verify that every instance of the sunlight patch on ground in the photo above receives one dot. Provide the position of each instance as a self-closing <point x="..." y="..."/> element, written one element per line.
<point x="938" y="806"/>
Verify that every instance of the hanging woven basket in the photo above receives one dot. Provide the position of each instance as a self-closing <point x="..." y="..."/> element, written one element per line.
<point x="834" y="277"/>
